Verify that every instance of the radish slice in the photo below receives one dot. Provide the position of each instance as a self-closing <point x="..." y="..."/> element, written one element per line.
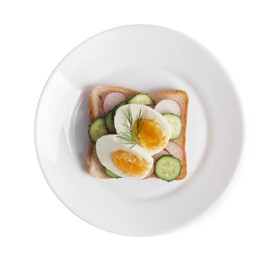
<point x="112" y="99"/>
<point x="163" y="152"/>
<point x="153" y="175"/>
<point x="168" y="106"/>
<point x="175" y="150"/>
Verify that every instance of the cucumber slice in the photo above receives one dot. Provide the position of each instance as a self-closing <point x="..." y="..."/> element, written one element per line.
<point x="175" y="123"/>
<point x="97" y="129"/>
<point x="111" y="174"/>
<point x="109" y="120"/>
<point x="168" y="168"/>
<point x="143" y="99"/>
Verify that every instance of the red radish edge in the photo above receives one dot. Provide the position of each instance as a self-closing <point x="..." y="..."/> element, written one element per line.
<point x="166" y="151"/>
<point x="112" y="99"/>
<point x="162" y="108"/>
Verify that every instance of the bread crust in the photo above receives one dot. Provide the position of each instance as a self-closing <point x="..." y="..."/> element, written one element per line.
<point x="97" y="96"/>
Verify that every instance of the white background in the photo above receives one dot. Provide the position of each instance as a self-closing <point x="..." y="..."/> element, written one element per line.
<point x="36" y="35"/>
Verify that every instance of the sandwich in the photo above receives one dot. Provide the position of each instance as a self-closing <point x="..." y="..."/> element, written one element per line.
<point x="137" y="135"/>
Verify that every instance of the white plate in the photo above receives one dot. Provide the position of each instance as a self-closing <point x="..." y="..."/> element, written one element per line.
<point x="146" y="58"/>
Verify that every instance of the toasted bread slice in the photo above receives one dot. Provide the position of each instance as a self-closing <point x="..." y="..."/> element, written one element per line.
<point x="96" y="109"/>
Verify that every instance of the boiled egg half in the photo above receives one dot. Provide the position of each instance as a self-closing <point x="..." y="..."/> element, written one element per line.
<point x="152" y="129"/>
<point x="122" y="159"/>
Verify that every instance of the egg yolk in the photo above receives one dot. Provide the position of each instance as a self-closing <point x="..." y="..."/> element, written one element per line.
<point x="151" y="135"/>
<point x="129" y="163"/>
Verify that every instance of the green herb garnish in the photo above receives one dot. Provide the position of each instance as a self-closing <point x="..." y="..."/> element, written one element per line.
<point x="132" y="128"/>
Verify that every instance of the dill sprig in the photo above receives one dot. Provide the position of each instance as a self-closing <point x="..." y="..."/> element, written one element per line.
<point x="130" y="135"/>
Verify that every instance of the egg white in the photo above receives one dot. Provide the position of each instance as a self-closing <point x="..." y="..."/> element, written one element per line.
<point x="108" y="144"/>
<point x="147" y="113"/>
